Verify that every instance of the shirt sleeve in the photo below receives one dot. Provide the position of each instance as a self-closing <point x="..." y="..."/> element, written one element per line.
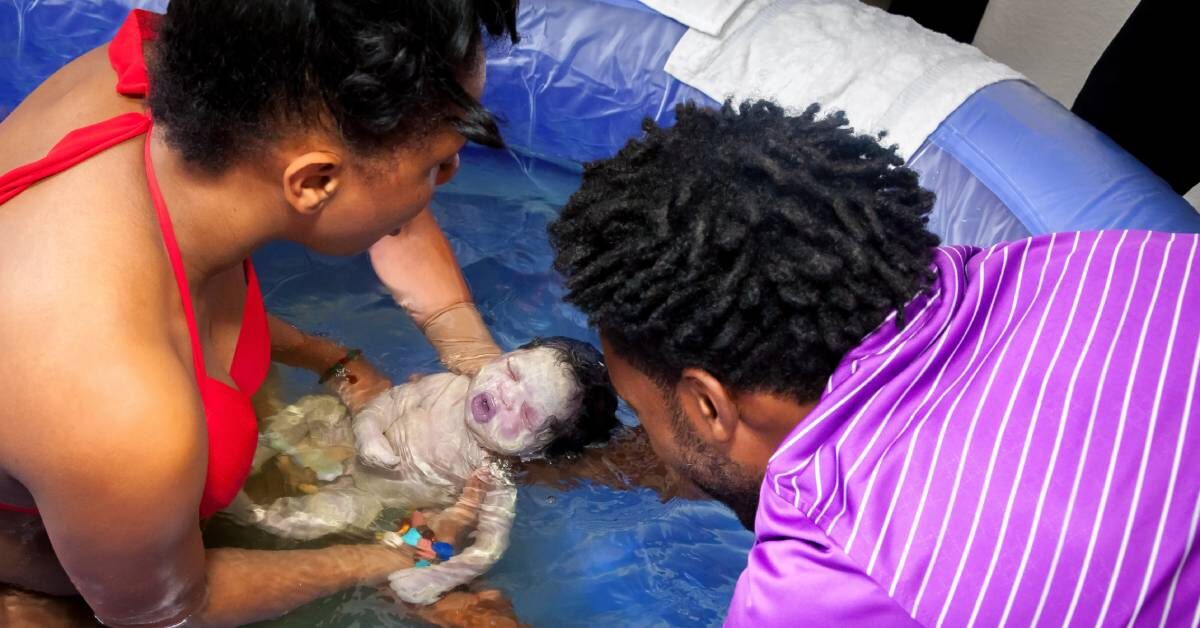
<point x="797" y="576"/>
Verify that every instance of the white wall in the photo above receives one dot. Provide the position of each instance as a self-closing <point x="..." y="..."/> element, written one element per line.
<point x="1053" y="42"/>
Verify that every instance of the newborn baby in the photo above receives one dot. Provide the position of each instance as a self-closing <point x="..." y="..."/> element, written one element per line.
<point x="419" y="444"/>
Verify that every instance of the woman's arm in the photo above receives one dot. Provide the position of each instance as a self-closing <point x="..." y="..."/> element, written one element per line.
<point x="293" y="347"/>
<point x="117" y="469"/>
<point x="419" y="269"/>
<point x="361" y="381"/>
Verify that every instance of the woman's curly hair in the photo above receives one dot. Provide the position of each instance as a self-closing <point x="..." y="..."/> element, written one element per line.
<point x="226" y="76"/>
<point x="758" y="246"/>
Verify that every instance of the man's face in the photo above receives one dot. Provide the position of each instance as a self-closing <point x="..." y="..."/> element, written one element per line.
<point x="675" y="439"/>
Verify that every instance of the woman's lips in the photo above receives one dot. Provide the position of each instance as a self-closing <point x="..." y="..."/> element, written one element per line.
<point x="483" y="407"/>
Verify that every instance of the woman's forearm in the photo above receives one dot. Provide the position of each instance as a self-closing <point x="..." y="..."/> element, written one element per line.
<point x="253" y="585"/>
<point x="356" y="384"/>
<point x="419" y="269"/>
<point x="293" y="347"/>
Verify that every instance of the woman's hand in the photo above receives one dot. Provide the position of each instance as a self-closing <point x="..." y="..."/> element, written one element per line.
<point x="358" y="384"/>
<point x="462" y="340"/>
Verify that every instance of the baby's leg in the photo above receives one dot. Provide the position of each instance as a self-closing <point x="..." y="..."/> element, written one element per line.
<point x="330" y="510"/>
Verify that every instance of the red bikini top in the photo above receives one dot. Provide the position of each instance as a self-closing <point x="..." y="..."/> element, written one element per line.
<point x="232" y="426"/>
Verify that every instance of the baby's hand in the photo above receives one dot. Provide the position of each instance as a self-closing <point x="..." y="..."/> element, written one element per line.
<point x="374" y="448"/>
<point x="376" y="451"/>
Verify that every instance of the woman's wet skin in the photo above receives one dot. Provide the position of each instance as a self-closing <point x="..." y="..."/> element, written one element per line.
<point x="106" y="180"/>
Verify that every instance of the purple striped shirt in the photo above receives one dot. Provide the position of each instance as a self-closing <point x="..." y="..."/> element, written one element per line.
<point x="1020" y="454"/>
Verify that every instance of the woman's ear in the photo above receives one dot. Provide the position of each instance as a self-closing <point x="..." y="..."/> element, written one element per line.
<point x="311" y="180"/>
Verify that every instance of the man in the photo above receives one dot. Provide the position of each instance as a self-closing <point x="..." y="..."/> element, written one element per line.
<point x="919" y="435"/>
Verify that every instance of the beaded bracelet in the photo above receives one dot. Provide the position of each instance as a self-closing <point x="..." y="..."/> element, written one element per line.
<point x="415" y="533"/>
<point x="339" y="368"/>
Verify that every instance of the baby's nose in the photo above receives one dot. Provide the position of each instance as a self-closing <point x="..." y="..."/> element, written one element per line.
<point x="506" y="396"/>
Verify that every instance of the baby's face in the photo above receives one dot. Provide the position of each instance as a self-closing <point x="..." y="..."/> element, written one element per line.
<point x="514" y="400"/>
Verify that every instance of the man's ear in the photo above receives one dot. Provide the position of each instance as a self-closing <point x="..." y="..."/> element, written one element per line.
<point x="311" y="179"/>
<point x="708" y="404"/>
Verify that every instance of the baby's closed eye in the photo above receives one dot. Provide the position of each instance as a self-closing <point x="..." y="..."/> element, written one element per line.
<point x="529" y="415"/>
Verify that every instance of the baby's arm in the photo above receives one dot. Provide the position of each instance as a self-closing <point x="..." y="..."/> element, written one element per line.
<point x="374" y="448"/>
<point x="497" y="503"/>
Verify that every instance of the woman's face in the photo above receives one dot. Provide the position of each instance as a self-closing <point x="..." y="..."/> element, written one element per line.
<point x="514" y="400"/>
<point x="378" y="196"/>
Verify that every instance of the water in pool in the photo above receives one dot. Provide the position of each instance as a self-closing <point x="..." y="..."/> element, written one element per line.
<point x="587" y="555"/>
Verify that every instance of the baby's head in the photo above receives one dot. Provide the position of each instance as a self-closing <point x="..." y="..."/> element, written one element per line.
<point x="550" y="397"/>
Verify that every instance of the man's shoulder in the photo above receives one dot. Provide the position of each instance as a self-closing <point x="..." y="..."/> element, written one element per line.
<point x="797" y="575"/>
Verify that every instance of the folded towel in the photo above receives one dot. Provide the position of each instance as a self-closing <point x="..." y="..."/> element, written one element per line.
<point x="706" y="16"/>
<point x="885" y="71"/>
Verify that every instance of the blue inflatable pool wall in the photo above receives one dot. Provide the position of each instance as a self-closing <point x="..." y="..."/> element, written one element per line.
<point x="1008" y="163"/>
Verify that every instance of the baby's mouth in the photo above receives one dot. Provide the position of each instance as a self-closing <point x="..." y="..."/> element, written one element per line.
<point x="483" y="407"/>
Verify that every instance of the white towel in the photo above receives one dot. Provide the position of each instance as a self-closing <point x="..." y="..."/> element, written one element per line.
<point x="706" y="16"/>
<point x="885" y="71"/>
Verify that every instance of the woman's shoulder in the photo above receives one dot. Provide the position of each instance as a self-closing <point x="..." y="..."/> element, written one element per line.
<point x="78" y="94"/>
<point x="91" y="356"/>
<point x="74" y="287"/>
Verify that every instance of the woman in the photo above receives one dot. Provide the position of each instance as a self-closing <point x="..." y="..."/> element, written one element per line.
<point x="324" y="122"/>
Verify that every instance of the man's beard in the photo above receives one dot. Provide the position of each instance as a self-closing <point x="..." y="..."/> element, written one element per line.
<point x="721" y="478"/>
